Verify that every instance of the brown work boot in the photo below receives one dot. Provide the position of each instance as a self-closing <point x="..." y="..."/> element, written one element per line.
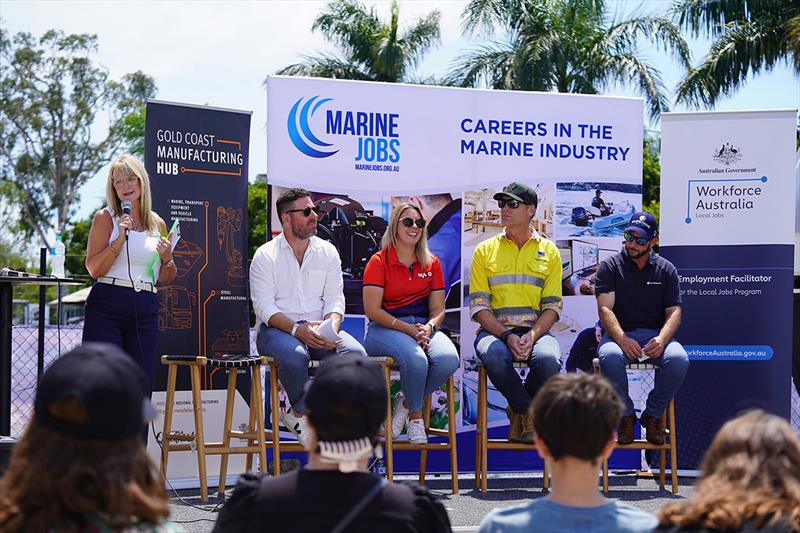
<point x="653" y="429"/>
<point x="625" y="431"/>
<point x="515" y="427"/>
<point x="527" y="428"/>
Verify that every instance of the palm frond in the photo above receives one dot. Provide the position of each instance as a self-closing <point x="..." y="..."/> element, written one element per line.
<point x="326" y="67"/>
<point x="421" y="37"/>
<point x="628" y="68"/>
<point x="491" y="63"/>
<point x="742" y="49"/>
<point x="665" y="34"/>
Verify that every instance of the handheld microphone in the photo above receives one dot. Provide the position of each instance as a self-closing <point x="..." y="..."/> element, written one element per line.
<point x="126" y="209"/>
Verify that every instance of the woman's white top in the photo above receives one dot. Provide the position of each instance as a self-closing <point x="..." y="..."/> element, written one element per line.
<point x="142" y="246"/>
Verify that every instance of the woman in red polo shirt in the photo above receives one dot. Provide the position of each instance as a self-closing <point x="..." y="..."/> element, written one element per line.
<point x="404" y="300"/>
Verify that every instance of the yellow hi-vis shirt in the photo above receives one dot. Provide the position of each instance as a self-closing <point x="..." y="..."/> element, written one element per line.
<point x="516" y="284"/>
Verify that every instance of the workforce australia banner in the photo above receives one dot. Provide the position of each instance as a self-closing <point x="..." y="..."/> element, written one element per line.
<point x="197" y="159"/>
<point x="361" y="148"/>
<point x="727" y="218"/>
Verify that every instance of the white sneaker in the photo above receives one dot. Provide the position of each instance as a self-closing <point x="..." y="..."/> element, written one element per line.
<point x="297" y="425"/>
<point x="416" y="432"/>
<point x="400" y="416"/>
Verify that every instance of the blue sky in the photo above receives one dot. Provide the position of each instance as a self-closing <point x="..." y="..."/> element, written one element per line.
<point x="218" y="53"/>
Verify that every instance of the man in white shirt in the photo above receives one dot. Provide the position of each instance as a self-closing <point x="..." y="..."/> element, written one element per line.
<point x="295" y="284"/>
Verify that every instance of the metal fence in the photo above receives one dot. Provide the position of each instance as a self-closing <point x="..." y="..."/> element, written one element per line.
<point x="24" y="349"/>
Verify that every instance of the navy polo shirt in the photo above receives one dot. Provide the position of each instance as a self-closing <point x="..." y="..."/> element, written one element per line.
<point x="640" y="296"/>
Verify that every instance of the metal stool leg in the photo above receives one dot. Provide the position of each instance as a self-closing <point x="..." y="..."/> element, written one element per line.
<point x="388" y="425"/>
<point x="276" y="430"/>
<point x="482" y="408"/>
<point x="257" y="401"/>
<point x="423" y="454"/>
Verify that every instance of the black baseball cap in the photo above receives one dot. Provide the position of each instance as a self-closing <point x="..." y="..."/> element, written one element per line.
<point x="520" y="192"/>
<point x="346" y="399"/>
<point x="95" y="391"/>
<point x="644" y="224"/>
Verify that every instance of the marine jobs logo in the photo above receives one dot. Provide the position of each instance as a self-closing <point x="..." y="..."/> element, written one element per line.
<point x="303" y="138"/>
<point x="377" y="146"/>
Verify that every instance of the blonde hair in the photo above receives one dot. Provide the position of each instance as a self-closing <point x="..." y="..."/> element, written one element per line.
<point x="421" y="250"/>
<point x="123" y="167"/>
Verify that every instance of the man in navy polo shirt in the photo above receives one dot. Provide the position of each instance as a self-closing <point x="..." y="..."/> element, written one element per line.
<point x="639" y="303"/>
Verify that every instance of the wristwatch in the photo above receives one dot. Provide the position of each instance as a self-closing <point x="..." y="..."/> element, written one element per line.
<point x="504" y="336"/>
<point x="297" y="325"/>
<point x="433" y="328"/>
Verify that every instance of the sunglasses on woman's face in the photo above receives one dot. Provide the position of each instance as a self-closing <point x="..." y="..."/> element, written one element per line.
<point x="408" y="222"/>
<point x="306" y="211"/>
<point x="641" y="241"/>
<point x="513" y="204"/>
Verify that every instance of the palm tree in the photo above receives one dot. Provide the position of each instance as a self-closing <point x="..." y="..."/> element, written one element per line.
<point x="372" y="50"/>
<point x="748" y="36"/>
<point x="564" y="45"/>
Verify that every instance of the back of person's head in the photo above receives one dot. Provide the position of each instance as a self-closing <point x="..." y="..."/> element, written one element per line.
<point x="82" y="453"/>
<point x="346" y="403"/>
<point x="576" y="415"/>
<point x="751" y="472"/>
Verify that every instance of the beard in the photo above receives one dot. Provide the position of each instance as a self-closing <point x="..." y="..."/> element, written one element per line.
<point x="304" y="231"/>
<point x="636" y="255"/>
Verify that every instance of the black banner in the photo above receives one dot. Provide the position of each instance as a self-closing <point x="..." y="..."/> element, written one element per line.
<point x="197" y="158"/>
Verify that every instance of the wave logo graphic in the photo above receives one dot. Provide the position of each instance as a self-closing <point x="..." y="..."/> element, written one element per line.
<point x="300" y="132"/>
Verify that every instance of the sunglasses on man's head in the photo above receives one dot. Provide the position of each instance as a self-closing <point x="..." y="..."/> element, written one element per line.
<point x="641" y="241"/>
<point x="408" y="222"/>
<point x="513" y="204"/>
<point x="306" y="211"/>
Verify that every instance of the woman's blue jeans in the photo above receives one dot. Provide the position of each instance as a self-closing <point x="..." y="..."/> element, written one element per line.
<point x="421" y="372"/>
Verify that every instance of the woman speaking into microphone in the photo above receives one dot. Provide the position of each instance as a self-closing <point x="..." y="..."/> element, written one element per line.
<point x="125" y="237"/>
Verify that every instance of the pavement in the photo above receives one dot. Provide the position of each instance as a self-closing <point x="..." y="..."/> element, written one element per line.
<point x="469" y="506"/>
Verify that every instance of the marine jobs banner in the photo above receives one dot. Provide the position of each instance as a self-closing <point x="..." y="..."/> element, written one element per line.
<point x="362" y="148"/>
<point x="727" y="218"/>
<point x="197" y="159"/>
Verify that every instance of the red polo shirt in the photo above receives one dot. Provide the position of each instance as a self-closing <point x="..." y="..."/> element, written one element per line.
<point x="405" y="289"/>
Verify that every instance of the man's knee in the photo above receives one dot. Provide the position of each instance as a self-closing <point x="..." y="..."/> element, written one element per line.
<point x="676" y="358"/>
<point x="349" y="345"/>
<point x="611" y="355"/>
<point x="493" y="352"/>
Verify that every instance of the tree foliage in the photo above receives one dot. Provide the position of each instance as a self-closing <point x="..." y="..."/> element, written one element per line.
<point x="256" y="216"/>
<point x="748" y="36"/>
<point x="569" y="46"/>
<point x="370" y="49"/>
<point x="52" y="94"/>
<point x="651" y="175"/>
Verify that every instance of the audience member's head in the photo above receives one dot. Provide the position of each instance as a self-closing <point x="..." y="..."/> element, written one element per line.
<point x="751" y="473"/>
<point x="575" y="415"/>
<point x="346" y="404"/>
<point x="82" y="454"/>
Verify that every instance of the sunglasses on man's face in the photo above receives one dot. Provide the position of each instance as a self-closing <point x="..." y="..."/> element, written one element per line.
<point x="408" y="222"/>
<point x="306" y="211"/>
<point x="513" y="204"/>
<point x="641" y="241"/>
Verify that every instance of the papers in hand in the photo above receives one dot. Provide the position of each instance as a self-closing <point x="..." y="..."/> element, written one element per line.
<point x="643" y="357"/>
<point x="325" y="329"/>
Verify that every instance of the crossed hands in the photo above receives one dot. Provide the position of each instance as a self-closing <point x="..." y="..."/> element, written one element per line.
<point x="422" y="333"/>
<point x="520" y="346"/>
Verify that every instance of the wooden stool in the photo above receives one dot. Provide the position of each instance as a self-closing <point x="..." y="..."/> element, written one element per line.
<point x="387" y="364"/>
<point x="255" y="439"/>
<point x="482" y="441"/>
<point x="643" y="444"/>
<point x="274" y="436"/>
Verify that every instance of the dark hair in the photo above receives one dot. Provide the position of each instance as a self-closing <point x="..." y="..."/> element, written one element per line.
<point x="751" y="473"/>
<point x="576" y="414"/>
<point x="54" y="481"/>
<point x="287" y="197"/>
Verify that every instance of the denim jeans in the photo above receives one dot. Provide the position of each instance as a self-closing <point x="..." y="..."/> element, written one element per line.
<point x="293" y="357"/>
<point x="673" y="364"/>
<point x="544" y="362"/>
<point x="421" y="372"/>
